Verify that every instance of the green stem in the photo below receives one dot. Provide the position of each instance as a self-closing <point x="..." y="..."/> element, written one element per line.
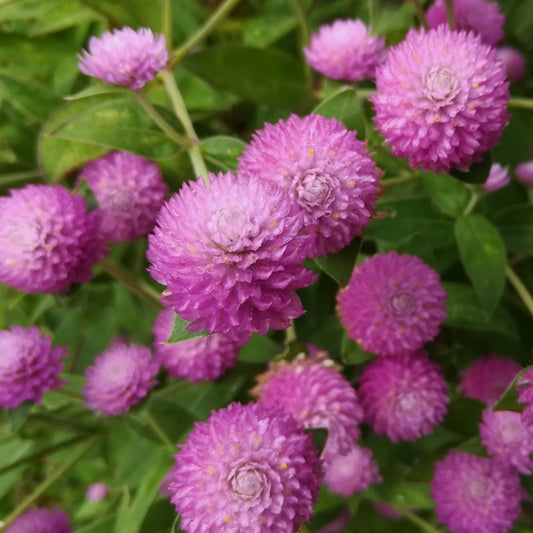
<point x="304" y="36"/>
<point x="67" y="423"/>
<point x="472" y="202"/>
<point x="449" y="14"/>
<point x="160" y="433"/>
<point x="520" y="288"/>
<point x="290" y="334"/>
<point x="420" y="14"/>
<point x="365" y="93"/>
<point x="415" y="519"/>
<point x="304" y="529"/>
<point x="70" y="394"/>
<point x="16" y="177"/>
<point x="524" y="103"/>
<point x="167" y="23"/>
<point x="393" y="182"/>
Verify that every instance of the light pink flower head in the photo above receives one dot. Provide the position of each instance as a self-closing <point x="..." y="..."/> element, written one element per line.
<point x="41" y="521"/>
<point x="96" y="492"/>
<point x="514" y="61"/>
<point x="524" y="172"/>
<point x="525" y="395"/>
<point x="498" y="178"/>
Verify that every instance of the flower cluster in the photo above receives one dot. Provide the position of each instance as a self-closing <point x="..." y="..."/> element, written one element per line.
<point x="41" y="521"/>
<point x="498" y="178"/>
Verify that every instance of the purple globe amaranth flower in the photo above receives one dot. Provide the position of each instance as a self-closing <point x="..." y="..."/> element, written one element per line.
<point x="130" y="192"/>
<point x="474" y="494"/>
<point x="404" y="396"/>
<point x="525" y="395"/>
<point x="345" y="50"/>
<point x="325" y="169"/>
<point x="48" y="239"/>
<point x="514" y="61"/>
<point x="230" y="255"/>
<point x="248" y="468"/>
<point x="498" y="178"/>
<point x="41" y="521"/>
<point x="442" y="99"/>
<point x="125" y="57"/>
<point x="196" y="359"/>
<point x="489" y="376"/>
<point x="479" y="16"/>
<point x="393" y="303"/>
<point x="508" y="438"/>
<point x="96" y="492"/>
<point x="121" y="377"/>
<point x="524" y="172"/>
<point x="29" y="366"/>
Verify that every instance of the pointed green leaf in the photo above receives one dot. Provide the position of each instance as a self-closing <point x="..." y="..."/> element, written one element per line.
<point x="180" y="333"/>
<point x="319" y="436"/>
<point x="340" y="265"/>
<point x="477" y="173"/>
<point x="509" y="399"/>
<point x="450" y="195"/>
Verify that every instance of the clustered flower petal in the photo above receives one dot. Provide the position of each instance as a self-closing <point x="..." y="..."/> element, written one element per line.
<point x="29" y="366"/>
<point x="125" y="57"/>
<point x="441" y="99"/>
<point x="474" y="494"/>
<point x="324" y="168"/>
<point x="130" y="192"/>
<point x="120" y="378"/>
<point x="525" y="395"/>
<point x="230" y="255"/>
<point x="345" y="50"/>
<point x="498" y="178"/>
<point x="393" y="303"/>
<point x="248" y="468"/>
<point x="41" y="521"/>
<point x="514" y="61"/>
<point x="48" y="239"/>
<point x="404" y="396"/>
<point x="524" y="172"/>
<point x="196" y="359"/>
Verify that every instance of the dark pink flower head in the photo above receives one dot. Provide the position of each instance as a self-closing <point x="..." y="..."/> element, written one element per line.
<point x="121" y="377"/>
<point x="130" y="192"/>
<point x="41" y="521"/>
<point x="96" y="492"/>
<point x="514" y="61"/>
<point x="345" y="50"/>
<point x="498" y="178"/>
<point x="489" y="376"/>
<point x="442" y="99"/>
<point x="29" y="366"/>
<point x="230" y="255"/>
<point x="248" y="468"/>
<point x="325" y="169"/>
<point x="524" y="172"/>
<point x="125" y="57"/>
<point x="196" y="359"/>
<point x="479" y="16"/>
<point x="403" y="396"/>
<point x="474" y="494"/>
<point x="48" y="239"/>
<point x="393" y="303"/>
<point x="525" y="395"/>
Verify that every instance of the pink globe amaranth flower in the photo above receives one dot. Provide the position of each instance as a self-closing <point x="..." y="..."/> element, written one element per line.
<point x="404" y="396"/>
<point x="498" y="178"/>
<point x="524" y="172"/>
<point x="345" y="50"/>
<point x="488" y="377"/>
<point x="325" y="169"/>
<point x="514" y="61"/>
<point x="474" y="494"/>
<point x="479" y="16"/>
<point x="125" y="57"/>
<point x="442" y="99"/>
<point x="96" y="492"/>
<point x="230" y="255"/>
<point x="248" y="468"/>
<point x="130" y="192"/>
<point x="393" y="303"/>
<point x="508" y="438"/>
<point x="29" y="366"/>
<point x="121" y="377"/>
<point x="525" y="395"/>
<point x="196" y="359"/>
<point x="41" y="521"/>
<point x="48" y="239"/>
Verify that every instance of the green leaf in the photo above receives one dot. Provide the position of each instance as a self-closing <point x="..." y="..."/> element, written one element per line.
<point x="222" y="151"/>
<point x="353" y="354"/>
<point x="477" y="173"/>
<point x="449" y="194"/>
<point x="259" y="350"/>
<point x="180" y="333"/>
<point x="509" y="399"/>
<point x="319" y="436"/>
<point x="19" y="415"/>
<point x="133" y="13"/>
<point x="463" y="416"/>
<point x="483" y="255"/>
<point x="62" y="14"/>
<point x="261" y="32"/>
<point x="340" y="265"/>
<point x="515" y="225"/>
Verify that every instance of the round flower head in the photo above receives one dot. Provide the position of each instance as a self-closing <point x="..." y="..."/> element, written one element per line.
<point x="404" y="396"/>
<point x="479" y="16"/>
<point x="41" y="521"/>
<point x="514" y="61"/>
<point x="345" y="50"/>
<point x="96" y="492"/>
<point x="130" y="192"/>
<point x="121" y="377"/>
<point x="324" y="168"/>
<point x="508" y="438"/>
<point x="196" y="359"/>
<point x="230" y="255"/>
<point x="524" y="172"/>
<point x="48" y="239"/>
<point x="489" y="376"/>
<point x="125" y="57"/>
<point x="393" y="303"/>
<point x="29" y="366"/>
<point x="525" y="395"/>
<point x="498" y="178"/>
<point x="442" y="99"/>
<point x="474" y="494"/>
<point x="248" y="468"/>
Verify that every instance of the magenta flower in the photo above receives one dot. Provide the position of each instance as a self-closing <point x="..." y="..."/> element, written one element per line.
<point x="475" y="495"/>
<point x="345" y="50"/>
<point x="130" y="192"/>
<point x="96" y="492"/>
<point x="524" y="172"/>
<point x="525" y="395"/>
<point x="120" y="378"/>
<point x="404" y="396"/>
<point x="442" y="99"/>
<point x="230" y="256"/>
<point x="41" y="521"/>
<point x="48" y="239"/>
<point x="125" y="57"/>
<point x="514" y="61"/>
<point x="196" y="359"/>
<point x="248" y="468"/>
<point x="325" y="169"/>
<point x="29" y="366"/>
<point x="393" y="303"/>
<point x="498" y="178"/>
